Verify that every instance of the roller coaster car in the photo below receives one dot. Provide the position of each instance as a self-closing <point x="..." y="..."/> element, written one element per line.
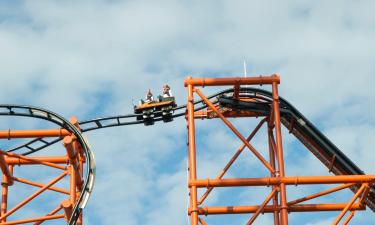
<point x="148" y="111"/>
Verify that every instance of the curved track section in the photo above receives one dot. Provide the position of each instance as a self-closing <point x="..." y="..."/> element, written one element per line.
<point x="33" y="112"/>
<point x="329" y="154"/>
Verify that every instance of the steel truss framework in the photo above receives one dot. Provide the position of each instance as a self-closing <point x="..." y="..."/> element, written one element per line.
<point x="276" y="202"/>
<point x="78" y="165"/>
<point x="70" y="165"/>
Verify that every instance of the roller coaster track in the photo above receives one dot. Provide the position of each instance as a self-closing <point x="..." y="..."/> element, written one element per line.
<point x="29" y="111"/>
<point x="298" y="125"/>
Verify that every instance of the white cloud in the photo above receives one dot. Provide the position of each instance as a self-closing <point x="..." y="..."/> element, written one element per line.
<point x="323" y="222"/>
<point x="92" y="59"/>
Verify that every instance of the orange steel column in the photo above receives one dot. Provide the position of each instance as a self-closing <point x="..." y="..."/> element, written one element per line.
<point x="73" y="159"/>
<point x="71" y="152"/>
<point x="5" y="185"/>
<point x="280" y="157"/>
<point x="68" y="208"/>
<point x="73" y="185"/>
<point x="192" y="156"/>
<point x="275" y="202"/>
<point x="82" y="159"/>
<point x="5" y="169"/>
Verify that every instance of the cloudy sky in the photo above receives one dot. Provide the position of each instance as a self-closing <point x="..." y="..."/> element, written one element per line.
<point x="91" y="58"/>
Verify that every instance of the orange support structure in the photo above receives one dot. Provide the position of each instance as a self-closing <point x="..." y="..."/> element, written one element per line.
<point x="276" y="202"/>
<point x="72" y="163"/>
<point x="202" y="82"/>
<point x="5" y="169"/>
<point x="67" y="206"/>
<point x="261" y="208"/>
<point x="37" y="160"/>
<point x="192" y="157"/>
<point x="4" y="200"/>
<point x="75" y="181"/>
<point x="9" y="134"/>
<point x="270" y="209"/>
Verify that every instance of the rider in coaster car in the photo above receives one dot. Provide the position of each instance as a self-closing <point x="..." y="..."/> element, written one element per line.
<point x="149" y="97"/>
<point x="167" y="91"/>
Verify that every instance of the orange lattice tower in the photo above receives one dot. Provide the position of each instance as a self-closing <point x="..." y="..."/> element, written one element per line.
<point x="255" y="103"/>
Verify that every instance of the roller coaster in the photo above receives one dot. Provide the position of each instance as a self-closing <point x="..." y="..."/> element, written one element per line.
<point x="237" y="101"/>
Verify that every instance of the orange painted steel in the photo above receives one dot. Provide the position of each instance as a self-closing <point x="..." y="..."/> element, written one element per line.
<point x="36" y="184"/>
<point x="36" y="219"/>
<point x="228" y="114"/>
<point x="74" y="162"/>
<point x="261" y="208"/>
<point x="53" y="212"/>
<point x="32" y="196"/>
<point x="73" y="184"/>
<point x="235" y="131"/>
<point x="192" y="157"/>
<point x="37" y="160"/>
<point x="231" y="161"/>
<point x="236" y="92"/>
<point x="272" y="156"/>
<point x="270" y="209"/>
<point x="297" y="180"/>
<point x="202" y="82"/>
<point x="4" y="199"/>
<point x="349" y="205"/>
<point x="68" y="208"/>
<point x="347" y="220"/>
<point x="322" y="193"/>
<point x="5" y="169"/>
<point x="9" y="134"/>
<point x="79" y="170"/>
<point x="71" y="164"/>
<point x="279" y="150"/>
<point x="364" y="194"/>
<point x="278" y="180"/>
<point x="201" y="221"/>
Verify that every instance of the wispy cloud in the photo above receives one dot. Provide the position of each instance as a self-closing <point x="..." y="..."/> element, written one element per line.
<point x="90" y="59"/>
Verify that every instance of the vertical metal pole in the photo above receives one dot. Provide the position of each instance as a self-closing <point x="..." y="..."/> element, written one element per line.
<point x="81" y="157"/>
<point x="80" y="218"/>
<point x="73" y="195"/>
<point x="192" y="156"/>
<point x="279" y="148"/>
<point x="4" y="200"/>
<point x="275" y="202"/>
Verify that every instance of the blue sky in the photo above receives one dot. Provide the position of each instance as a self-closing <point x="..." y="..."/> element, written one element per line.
<point x="91" y="58"/>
